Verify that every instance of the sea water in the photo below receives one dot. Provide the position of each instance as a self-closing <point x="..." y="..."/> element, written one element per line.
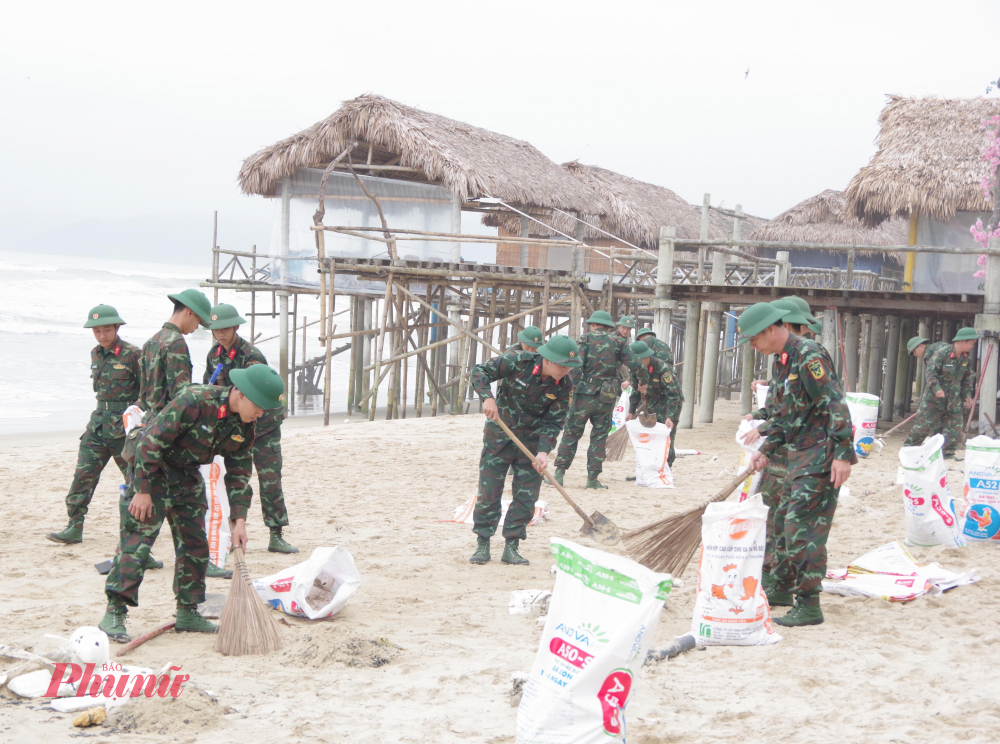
<point x="45" y="359"/>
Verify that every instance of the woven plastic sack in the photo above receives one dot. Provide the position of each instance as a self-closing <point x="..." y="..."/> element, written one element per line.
<point x="316" y="589"/>
<point x="652" y="448"/>
<point x="621" y="411"/>
<point x="602" y="614"/>
<point x="980" y="511"/>
<point x="731" y="608"/>
<point x="864" y="418"/>
<point x="217" y="515"/>
<point x="927" y="504"/>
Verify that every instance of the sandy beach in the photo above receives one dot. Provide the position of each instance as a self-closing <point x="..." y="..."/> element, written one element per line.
<point x="425" y="649"/>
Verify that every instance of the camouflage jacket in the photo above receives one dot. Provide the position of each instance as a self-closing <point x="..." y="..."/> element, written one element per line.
<point x="115" y="373"/>
<point x="166" y="368"/>
<point x="602" y="353"/>
<point x="808" y="406"/>
<point x="950" y="372"/>
<point x="766" y="412"/>
<point x="534" y="407"/>
<point x="242" y="355"/>
<point x="661" y="349"/>
<point x="663" y="391"/>
<point x="194" y="427"/>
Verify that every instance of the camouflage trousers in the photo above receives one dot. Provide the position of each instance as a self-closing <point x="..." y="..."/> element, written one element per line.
<point x="802" y="523"/>
<point x="496" y="460"/>
<point x="267" y="459"/>
<point x="96" y="449"/>
<point x="938" y="416"/>
<point x="583" y="409"/>
<point x="771" y="481"/>
<point x="180" y="495"/>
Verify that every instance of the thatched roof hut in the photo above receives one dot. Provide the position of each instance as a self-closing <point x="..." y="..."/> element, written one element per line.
<point x="632" y="210"/>
<point x="928" y="160"/>
<point x="821" y="219"/>
<point x="416" y="145"/>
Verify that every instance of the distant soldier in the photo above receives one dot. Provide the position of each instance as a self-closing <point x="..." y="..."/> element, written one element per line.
<point x="810" y="419"/>
<point x="661" y="350"/>
<point x="663" y="393"/>
<point x="202" y="421"/>
<point x="921" y="348"/>
<point x="231" y="352"/>
<point x="533" y="403"/>
<point x="949" y="379"/>
<point x="625" y="325"/>
<point x="114" y="368"/>
<point x="596" y="390"/>
<point x="530" y="338"/>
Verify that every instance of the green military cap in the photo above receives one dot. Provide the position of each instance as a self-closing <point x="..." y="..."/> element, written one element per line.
<point x="914" y="342"/>
<point x="261" y="384"/>
<point x="103" y="315"/>
<point x="756" y="318"/>
<point x="225" y="316"/>
<point x="561" y="350"/>
<point x="601" y="317"/>
<point x="816" y="327"/>
<point x="646" y="331"/>
<point x="530" y="336"/>
<point x="966" y="334"/>
<point x="640" y="350"/>
<point x="626" y="320"/>
<point x="795" y="314"/>
<point x="196" y="302"/>
<point x="802" y="305"/>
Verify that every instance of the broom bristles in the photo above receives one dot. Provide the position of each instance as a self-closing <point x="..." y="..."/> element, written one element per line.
<point x="616" y="445"/>
<point x="246" y="625"/>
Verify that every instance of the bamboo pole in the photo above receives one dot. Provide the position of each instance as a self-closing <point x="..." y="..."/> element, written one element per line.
<point x="373" y="393"/>
<point x="327" y="376"/>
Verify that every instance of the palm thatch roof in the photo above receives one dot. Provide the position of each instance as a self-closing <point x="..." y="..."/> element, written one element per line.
<point x="469" y="161"/>
<point x="928" y="160"/>
<point x="821" y="219"/>
<point x="632" y="210"/>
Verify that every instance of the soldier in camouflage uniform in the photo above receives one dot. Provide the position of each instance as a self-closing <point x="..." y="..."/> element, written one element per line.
<point x="201" y="422"/>
<point x="810" y="419"/>
<point x="233" y="352"/>
<point x="530" y="338"/>
<point x="114" y="368"/>
<point x="949" y="379"/>
<point x="663" y="392"/>
<point x="661" y="350"/>
<point x="533" y="399"/>
<point x="625" y="325"/>
<point x="596" y="390"/>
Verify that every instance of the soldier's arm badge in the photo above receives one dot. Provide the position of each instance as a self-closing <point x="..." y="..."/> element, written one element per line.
<point x="815" y="368"/>
<point x="237" y="437"/>
<point x="550" y="396"/>
<point x="667" y="378"/>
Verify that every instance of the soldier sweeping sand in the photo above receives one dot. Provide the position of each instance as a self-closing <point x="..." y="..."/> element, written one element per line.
<point x="811" y="419"/>
<point x="663" y="393"/>
<point x="201" y="422"/>
<point x="533" y="399"/>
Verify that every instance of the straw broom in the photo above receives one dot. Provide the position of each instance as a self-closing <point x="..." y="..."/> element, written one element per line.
<point x="246" y="625"/>
<point x="668" y="545"/>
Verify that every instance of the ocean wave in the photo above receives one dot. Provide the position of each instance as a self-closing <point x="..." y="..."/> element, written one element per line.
<point x="28" y="268"/>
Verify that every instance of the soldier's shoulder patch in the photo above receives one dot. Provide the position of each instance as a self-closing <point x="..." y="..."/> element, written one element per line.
<point x="237" y="438"/>
<point x="793" y="377"/>
<point x="668" y="378"/>
<point x="223" y="410"/>
<point x="815" y="368"/>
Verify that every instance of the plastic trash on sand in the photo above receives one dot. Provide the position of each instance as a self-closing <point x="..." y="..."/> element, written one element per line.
<point x="464" y="512"/>
<point x="318" y="588"/>
<point x="891" y="573"/>
<point x="602" y="615"/>
<point x="529" y="601"/>
<point x="927" y="504"/>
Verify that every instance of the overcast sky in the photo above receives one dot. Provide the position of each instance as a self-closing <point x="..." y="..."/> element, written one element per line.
<point x="123" y="125"/>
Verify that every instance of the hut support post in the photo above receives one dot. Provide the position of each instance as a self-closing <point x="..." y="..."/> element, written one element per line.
<point x="852" y="333"/>
<point x="902" y="368"/>
<point x="662" y="306"/>
<point x="924" y="332"/>
<point x="710" y="372"/>
<point x="988" y="326"/>
<point x="830" y="332"/>
<point x="703" y="234"/>
<point x="891" y="367"/>
<point x="690" y="358"/>
<point x="866" y="345"/>
<point x="523" y="261"/>
<point x="456" y="228"/>
<point x="876" y="355"/>
<point x="455" y="351"/>
<point x="948" y="330"/>
<point x="283" y="340"/>
<point x="366" y="380"/>
<point x="781" y="275"/>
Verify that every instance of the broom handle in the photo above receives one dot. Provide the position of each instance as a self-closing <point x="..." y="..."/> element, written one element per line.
<point x="731" y="486"/>
<point x="147" y="636"/>
<point x="901" y="423"/>
<point x="545" y="472"/>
